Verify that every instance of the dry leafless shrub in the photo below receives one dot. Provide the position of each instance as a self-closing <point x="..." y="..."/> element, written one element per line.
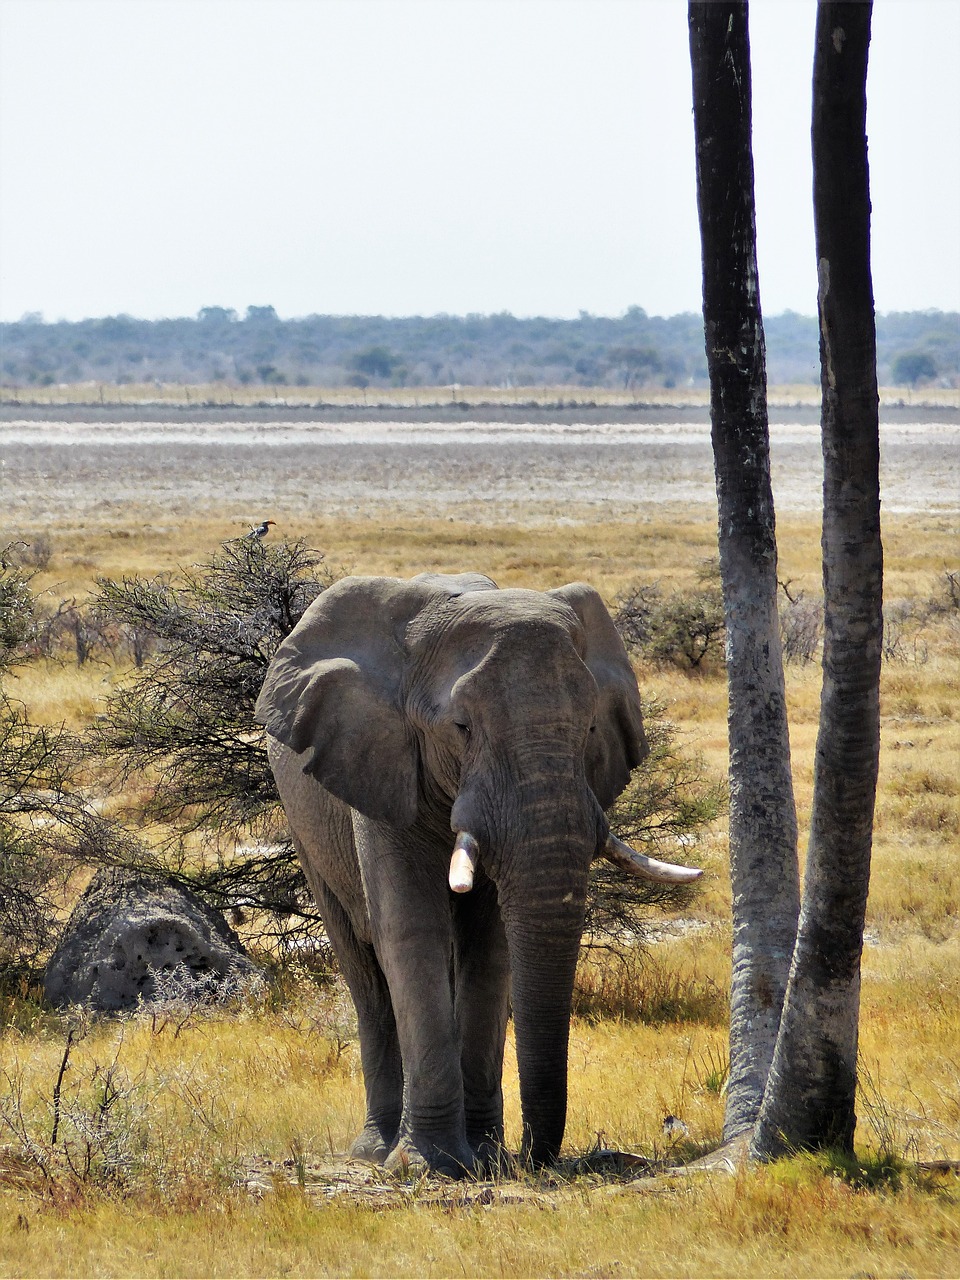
<point x="903" y="625"/>
<point x="34" y="554"/>
<point x="39" y="552"/>
<point x="946" y="602"/>
<point x="801" y="625"/>
<point x="179" y="995"/>
<point x="72" y="629"/>
<point x="104" y="1126"/>
<point x="90" y="1131"/>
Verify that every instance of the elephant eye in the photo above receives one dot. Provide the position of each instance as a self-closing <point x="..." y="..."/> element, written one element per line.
<point x="464" y="729"/>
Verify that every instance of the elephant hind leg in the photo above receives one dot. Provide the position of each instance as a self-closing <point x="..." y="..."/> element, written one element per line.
<point x="379" y="1046"/>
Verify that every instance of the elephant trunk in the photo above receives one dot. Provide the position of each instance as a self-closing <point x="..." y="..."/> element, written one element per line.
<point x="536" y="843"/>
<point x="543" y="919"/>
<point x="542" y="989"/>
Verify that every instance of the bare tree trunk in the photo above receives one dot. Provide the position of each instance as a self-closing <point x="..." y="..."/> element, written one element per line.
<point x="810" y="1097"/>
<point x="763" y="828"/>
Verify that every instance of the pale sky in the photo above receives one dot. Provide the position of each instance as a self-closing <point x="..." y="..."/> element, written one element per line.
<point x="419" y="156"/>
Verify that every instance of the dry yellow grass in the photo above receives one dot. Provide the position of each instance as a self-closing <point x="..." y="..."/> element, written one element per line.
<point x="777" y="1223"/>
<point x="670" y="544"/>
<point x="608" y="554"/>
<point x="204" y="1102"/>
<point x="59" y="694"/>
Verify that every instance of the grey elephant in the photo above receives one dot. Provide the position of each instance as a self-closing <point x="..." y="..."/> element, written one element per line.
<point x="406" y="717"/>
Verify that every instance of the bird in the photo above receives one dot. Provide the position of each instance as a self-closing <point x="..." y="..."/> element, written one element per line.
<point x="260" y="530"/>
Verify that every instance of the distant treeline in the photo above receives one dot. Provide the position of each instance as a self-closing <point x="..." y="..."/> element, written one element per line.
<point x="631" y="351"/>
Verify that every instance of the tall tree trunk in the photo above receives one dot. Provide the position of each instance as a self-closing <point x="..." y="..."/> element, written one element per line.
<point x="763" y="827"/>
<point x="810" y="1098"/>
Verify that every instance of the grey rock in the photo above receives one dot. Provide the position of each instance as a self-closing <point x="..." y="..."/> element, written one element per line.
<point x="135" y="939"/>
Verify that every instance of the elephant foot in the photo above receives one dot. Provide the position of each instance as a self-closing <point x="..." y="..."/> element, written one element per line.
<point x="371" y="1144"/>
<point x="408" y="1160"/>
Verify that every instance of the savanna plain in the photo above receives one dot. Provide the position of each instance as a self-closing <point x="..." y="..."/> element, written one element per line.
<point x="226" y="1127"/>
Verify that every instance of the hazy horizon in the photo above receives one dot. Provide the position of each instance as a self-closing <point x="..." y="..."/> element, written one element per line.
<point x="34" y="317"/>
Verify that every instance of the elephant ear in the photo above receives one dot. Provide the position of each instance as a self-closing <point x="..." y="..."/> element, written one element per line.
<point x="617" y="744"/>
<point x="332" y="691"/>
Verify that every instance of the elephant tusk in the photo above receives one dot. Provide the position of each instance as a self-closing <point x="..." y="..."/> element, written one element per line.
<point x="638" y="864"/>
<point x="463" y="862"/>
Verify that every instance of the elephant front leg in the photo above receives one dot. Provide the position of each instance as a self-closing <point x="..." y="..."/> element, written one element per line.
<point x="377" y="1029"/>
<point x="482" y="980"/>
<point x="410" y="917"/>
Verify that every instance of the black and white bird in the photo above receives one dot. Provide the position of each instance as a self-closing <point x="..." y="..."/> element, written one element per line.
<point x="260" y="530"/>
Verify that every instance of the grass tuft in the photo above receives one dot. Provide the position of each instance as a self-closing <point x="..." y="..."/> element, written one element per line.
<point x="633" y="985"/>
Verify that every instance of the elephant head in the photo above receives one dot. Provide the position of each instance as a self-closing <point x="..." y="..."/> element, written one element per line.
<point x="442" y="711"/>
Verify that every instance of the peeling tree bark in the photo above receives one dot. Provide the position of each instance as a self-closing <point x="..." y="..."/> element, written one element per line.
<point x="763" y="830"/>
<point x="810" y="1097"/>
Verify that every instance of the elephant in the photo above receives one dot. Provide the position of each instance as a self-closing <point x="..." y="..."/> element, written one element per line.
<point x="406" y="715"/>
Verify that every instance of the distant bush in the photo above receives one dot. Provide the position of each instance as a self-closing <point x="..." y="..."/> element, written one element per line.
<point x="376" y="362"/>
<point x="684" y="629"/>
<point x="911" y="367"/>
<point x="905" y="622"/>
<point x="645" y="988"/>
<point x="634" y="364"/>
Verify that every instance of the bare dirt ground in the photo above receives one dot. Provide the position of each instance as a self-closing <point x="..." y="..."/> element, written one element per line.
<point x="603" y="1171"/>
<point x="122" y="472"/>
